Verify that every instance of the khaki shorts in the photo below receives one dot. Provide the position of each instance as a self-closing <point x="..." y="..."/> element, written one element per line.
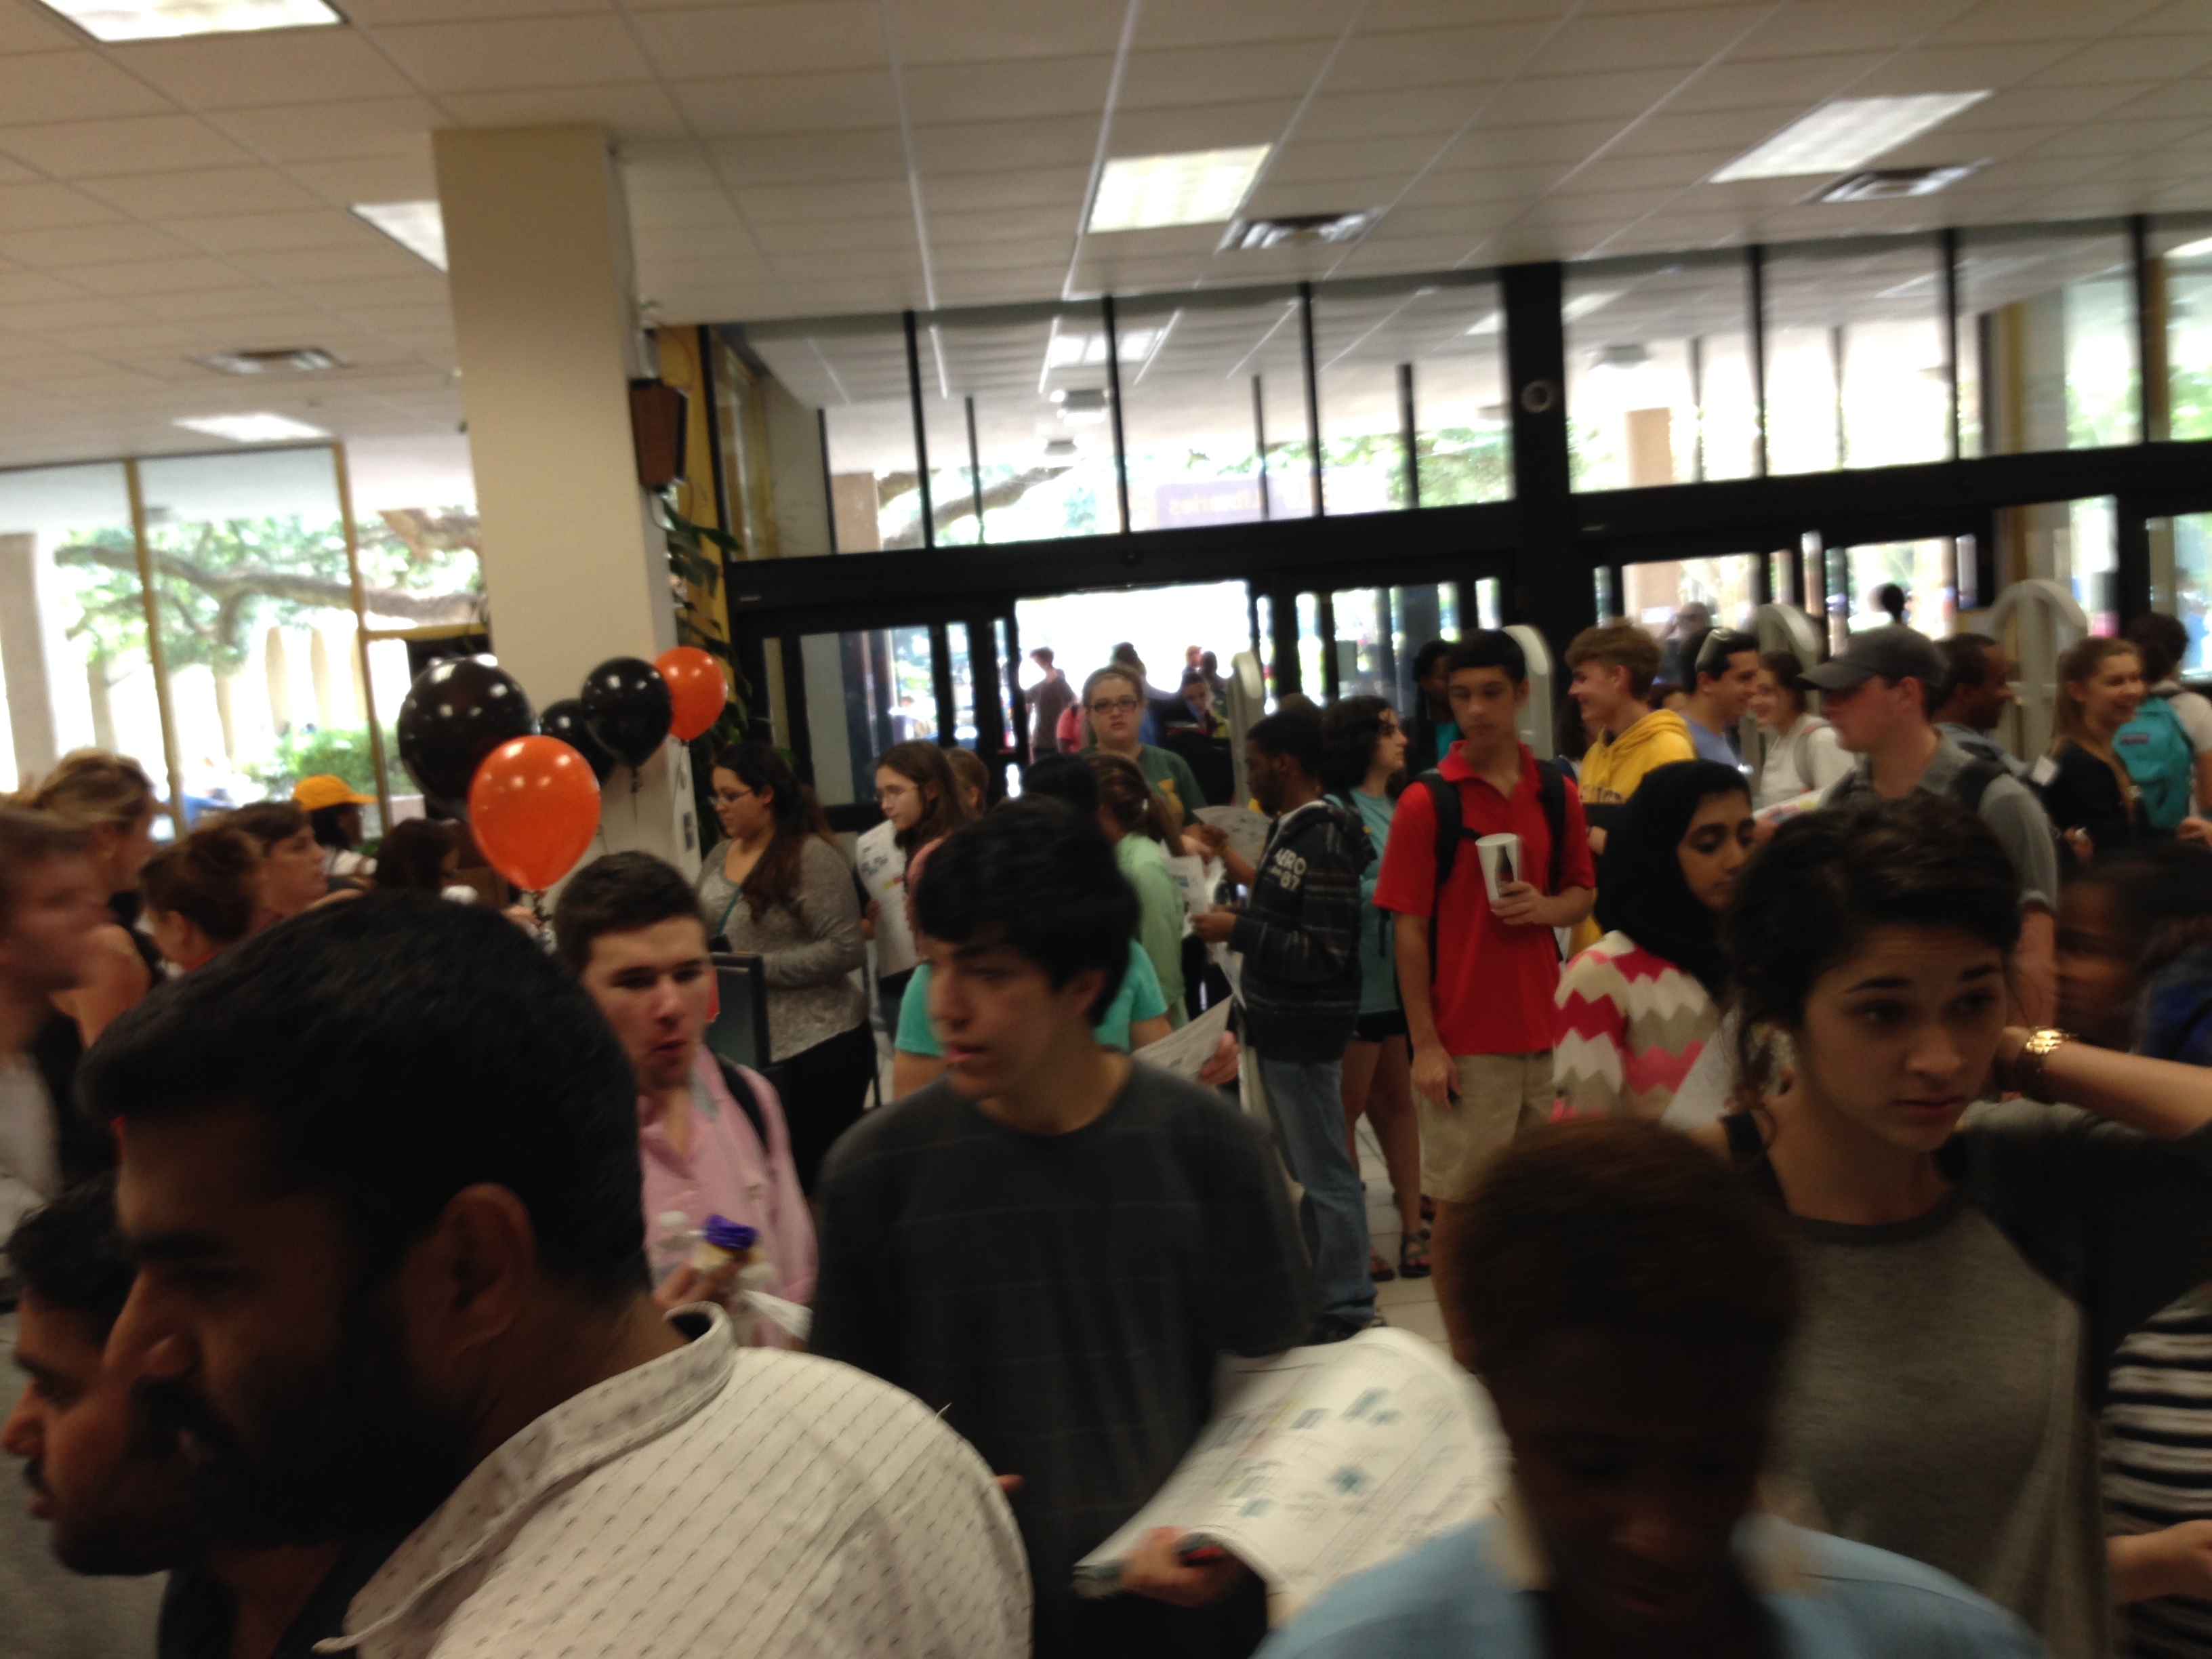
<point x="1500" y="1096"/>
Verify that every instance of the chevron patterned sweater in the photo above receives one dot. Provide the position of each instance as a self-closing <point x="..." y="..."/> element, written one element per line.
<point x="1631" y="1026"/>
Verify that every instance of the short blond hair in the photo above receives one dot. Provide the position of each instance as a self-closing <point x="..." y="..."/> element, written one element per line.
<point x="93" y="789"/>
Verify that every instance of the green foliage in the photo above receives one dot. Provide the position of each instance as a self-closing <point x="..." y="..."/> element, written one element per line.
<point x="341" y="751"/>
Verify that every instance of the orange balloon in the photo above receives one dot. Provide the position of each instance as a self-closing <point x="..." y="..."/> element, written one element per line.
<point x="534" y="805"/>
<point x="696" y="686"/>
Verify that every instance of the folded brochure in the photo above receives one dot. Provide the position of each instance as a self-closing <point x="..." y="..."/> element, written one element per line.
<point x="1324" y="1461"/>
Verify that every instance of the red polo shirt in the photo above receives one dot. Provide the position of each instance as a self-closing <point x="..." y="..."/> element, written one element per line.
<point x="1494" y="980"/>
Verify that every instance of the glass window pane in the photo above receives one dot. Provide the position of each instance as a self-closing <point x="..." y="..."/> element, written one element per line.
<point x="1366" y="652"/>
<point x="1203" y="381"/>
<point x="1658" y="371"/>
<point x="1924" y="569"/>
<point x="1035" y="377"/>
<point x="1453" y="336"/>
<point x="249" y="554"/>
<point x="1310" y="682"/>
<point x="2186" y="269"/>
<point x="421" y="576"/>
<point x="2181" y="579"/>
<point x="865" y="691"/>
<point x="1855" y="373"/>
<point x="1356" y="356"/>
<point x="2047" y="340"/>
<point x="73" y="655"/>
<point x="1674" y="597"/>
<point x="855" y="373"/>
<point x="963" y="686"/>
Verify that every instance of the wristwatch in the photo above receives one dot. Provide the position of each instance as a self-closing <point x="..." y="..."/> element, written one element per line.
<point x="2025" y="1072"/>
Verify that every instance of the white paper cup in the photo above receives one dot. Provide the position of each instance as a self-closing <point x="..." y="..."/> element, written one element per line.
<point x="1501" y="862"/>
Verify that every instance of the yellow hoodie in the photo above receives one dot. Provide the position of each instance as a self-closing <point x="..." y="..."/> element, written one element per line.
<point x="1613" y="767"/>
<point x="1611" y="772"/>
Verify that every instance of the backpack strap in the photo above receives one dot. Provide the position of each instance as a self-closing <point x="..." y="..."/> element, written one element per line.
<point x="1973" y="781"/>
<point x="1446" y="797"/>
<point x="1552" y="795"/>
<point x="748" y="1102"/>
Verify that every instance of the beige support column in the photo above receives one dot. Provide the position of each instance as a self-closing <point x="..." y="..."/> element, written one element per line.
<point x="538" y="238"/>
<point x="23" y="659"/>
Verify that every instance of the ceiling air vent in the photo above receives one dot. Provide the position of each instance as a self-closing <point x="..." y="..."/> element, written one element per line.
<point x="288" y="360"/>
<point x="1251" y="235"/>
<point x="1887" y="184"/>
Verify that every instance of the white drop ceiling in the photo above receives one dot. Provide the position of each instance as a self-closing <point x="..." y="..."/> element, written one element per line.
<point x="168" y="199"/>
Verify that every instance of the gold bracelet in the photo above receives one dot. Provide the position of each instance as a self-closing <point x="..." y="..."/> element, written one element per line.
<point x="2028" y="1069"/>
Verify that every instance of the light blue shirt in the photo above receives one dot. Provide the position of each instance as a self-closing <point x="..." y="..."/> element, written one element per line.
<point x="1465" y="1593"/>
<point x="1138" y="999"/>
<point x="1711" y="745"/>
<point x="1378" y="948"/>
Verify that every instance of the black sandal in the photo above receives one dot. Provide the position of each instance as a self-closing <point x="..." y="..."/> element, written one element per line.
<point x="1413" y="1255"/>
<point x="1379" y="1270"/>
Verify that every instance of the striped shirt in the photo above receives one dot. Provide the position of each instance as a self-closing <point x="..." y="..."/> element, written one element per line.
<point x="2158" y="1460"/>
<point x="1630" y="1028"/>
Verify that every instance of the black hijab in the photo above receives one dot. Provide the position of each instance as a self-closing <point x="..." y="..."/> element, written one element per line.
<point x="1641" y="889"/>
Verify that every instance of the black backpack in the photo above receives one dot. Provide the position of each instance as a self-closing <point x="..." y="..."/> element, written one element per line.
<point x="1451" y="830"/>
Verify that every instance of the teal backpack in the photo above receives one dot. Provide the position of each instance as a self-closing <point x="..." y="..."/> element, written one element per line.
<point x="2154" y="747"/>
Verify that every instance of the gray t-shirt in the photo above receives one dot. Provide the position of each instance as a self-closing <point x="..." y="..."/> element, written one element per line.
<point x="1064" y="1300"/>
<point x="2008" y="807"/>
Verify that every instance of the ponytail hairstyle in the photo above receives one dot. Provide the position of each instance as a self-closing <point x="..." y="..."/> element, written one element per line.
<point x="1350" y="729"/>
<point x="944" y="806"/>
<point x="1128" y="798"/>
<point x="1827" y="880"/>
<point x="762" y="768"/>
<point x="212" y="878"/>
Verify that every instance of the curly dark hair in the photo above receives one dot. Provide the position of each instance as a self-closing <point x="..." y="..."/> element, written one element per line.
<point x="1829" y="878"/>
<point x="1619" y="1225"/>
<point x="1350" y="729"/>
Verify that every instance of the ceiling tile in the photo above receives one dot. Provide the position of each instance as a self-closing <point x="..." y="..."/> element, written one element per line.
<point x="1209" y="22"/>
<point x="2180" y="99"/>
<point x="651" y="210"/>
<point x="513" y="56"/>
<point x="271" y="314"/>
<point x="1213" y="75"/>
<point x="983" y="146"/>
<point x="1469" y="56"/>
<point x="91" y="245"/>
<point x="2129" y="57"/>
<point x="1800" y="82"/>
<point x="940" y="94"/>
<point x="1164" y="131"/>
<point x="298" y="267"/>
<point x="1439" y="112"/>
<point x="69" y="316"/>
<point x="186" y="276"/>
<point x="23" y="288"/>
<point x="1002" y="224"/>
<point x="629" y="113"/>
<point x="41" y="207"/>
<point x="822" y="157"/>
<point x="1646" y="39"/>
<point x="764" y="39"/>
<point x="2177" y="17"/>
<point x="1959" y="69"/>
<point x="221" y="190"/>
<point x="1816" y="27"/>
<point x="392" y="179"/>
<point x="1397" y="159"/>
<point x="146" y="143"/>
<point x="339" y="293"/>
<point x="776" y="204"/>
<point x="267" y="232"/>
<point x="2005" y="20"/>
<point x="340" y="130"/>
<point x="991" y="31"/>
<point x="789" y="103"/>
<point x="998" y="256"/>
<point x="1569" y="141"/>
<point x="1619" y="95"/>
<point x="65" y="86"/>
<point x="1485" y="184"/>
<point x="280" y="66"/>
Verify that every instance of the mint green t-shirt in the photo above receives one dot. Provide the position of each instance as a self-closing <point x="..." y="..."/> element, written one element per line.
<point x="1378" y="949"/>
<point x="1138" y="999"/>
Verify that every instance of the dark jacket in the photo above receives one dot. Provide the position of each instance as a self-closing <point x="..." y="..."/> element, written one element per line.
<point x="1300" y="935"/>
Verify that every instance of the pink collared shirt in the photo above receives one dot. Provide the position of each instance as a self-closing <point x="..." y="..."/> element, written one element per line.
<point x="728" y="1173"/>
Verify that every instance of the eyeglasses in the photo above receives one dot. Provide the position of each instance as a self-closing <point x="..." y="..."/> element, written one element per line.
<point x="1116" y="706"/>
<point x="896" y="791"/>
<point x="727" y="795"/>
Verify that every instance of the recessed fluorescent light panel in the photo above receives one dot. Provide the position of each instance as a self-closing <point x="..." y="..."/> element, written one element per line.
<point x="283" y="359"/>
<point x="1849" y="133"/>
<point x="257" y="429"/>
<point x="1198" y="187"/>
<point x="1583" y="304"/>
<point x="2196" y="249"/>
<point x="418" y="227"/>
<point x="166" y="20"/>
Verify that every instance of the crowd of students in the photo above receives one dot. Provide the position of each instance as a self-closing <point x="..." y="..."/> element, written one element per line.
<point x="393" y="1282"/>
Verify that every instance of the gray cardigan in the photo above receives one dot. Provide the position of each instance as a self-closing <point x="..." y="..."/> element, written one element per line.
<point x="809" y="945"/>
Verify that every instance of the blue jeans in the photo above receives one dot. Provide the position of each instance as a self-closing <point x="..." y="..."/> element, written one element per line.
<point x="1307" y="1099"/>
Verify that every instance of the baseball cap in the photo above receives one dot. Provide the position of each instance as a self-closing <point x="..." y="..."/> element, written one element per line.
<point x="1891" y="652"/>
<point x="323" y="790"/>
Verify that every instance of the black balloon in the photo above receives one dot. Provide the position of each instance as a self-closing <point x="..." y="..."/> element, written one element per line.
<point x="628" y="705"/>
<point x="456" y="713"/>
<point x="567" y="721"/>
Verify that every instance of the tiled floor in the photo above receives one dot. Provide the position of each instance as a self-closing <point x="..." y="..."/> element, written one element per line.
<point x="1408" y="1304"/>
